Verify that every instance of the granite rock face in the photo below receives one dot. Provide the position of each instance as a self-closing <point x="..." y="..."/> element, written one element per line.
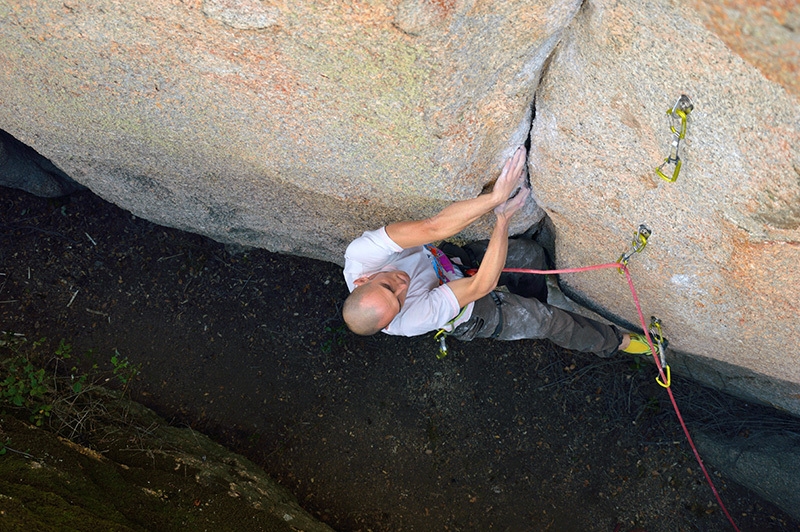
<point x="295" y="126"/>
<point x="720" y="268"/>
<point x="290" y="126"/>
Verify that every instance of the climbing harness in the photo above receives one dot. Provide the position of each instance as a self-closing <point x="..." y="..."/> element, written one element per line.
<point x="441" y="264"/>
<point x="445" y="272"/>
<point x="638" y="244"/>
<point x="678" y="115"/>
<point x="499" y="303"/>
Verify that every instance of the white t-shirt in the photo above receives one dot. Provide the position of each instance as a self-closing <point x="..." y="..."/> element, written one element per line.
<point x="428" y="305"/>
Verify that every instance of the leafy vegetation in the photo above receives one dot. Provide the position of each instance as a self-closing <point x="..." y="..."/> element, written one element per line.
<point x="49" y="385"/>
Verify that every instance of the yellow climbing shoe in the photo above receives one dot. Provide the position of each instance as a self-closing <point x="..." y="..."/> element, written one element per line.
<point x="638" y="345"/>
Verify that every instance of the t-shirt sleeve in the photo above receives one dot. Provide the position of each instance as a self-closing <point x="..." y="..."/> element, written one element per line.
<point x="368" y="254"/>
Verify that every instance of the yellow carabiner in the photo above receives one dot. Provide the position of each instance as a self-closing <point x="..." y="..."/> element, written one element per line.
<point x="669" y="378"/>
<point x="683" y="115"/>
<point x="660" y="173"/>
<point x="442" y="337"/>
<point x="638" y="244"/>
<point x="640" y="238"/>
<point x="655" y="329"/>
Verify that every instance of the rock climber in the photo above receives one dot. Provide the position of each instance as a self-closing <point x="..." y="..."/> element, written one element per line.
<point x="402" y="285"/>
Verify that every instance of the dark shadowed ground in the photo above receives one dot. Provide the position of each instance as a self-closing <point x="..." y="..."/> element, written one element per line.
<point x="368" y="433"/>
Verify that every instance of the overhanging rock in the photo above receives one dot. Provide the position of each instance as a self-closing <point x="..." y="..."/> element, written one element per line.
<point x="295" y="126"/>
<point x="290" y="126"/>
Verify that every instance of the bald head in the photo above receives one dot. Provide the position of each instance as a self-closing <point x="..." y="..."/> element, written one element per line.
<point x="375" y="301"/>
<point x="366" y="310"/>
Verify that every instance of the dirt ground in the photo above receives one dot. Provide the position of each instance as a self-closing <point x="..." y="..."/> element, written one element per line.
<point x="372" y="433"/>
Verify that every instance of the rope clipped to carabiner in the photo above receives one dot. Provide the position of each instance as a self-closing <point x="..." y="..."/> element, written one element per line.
<point x="657" y="335"/>
<point x="638" y="244"/>
<point x="678" y="115"/>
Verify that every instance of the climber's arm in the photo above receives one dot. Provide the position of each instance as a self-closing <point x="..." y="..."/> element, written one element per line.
<point x="457" y="216"/>
<point x="471" y="289"/>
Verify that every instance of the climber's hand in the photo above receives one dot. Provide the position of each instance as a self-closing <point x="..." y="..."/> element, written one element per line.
<point x="511" y="178"/>
<point x="513" y="204"/>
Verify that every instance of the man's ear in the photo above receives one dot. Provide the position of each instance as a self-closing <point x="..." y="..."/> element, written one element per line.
<point x="361" y="280"/>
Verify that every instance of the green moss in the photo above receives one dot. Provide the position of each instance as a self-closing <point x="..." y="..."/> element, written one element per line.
<point x="166" y="479"/>
<point x="38" y="496"/>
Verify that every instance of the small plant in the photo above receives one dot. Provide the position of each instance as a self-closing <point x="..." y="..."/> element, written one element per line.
<point x="25" y="384"/>
<point x="63" y="395"/>
<point x="638" y="362"/>
<point x="64" y="350"/>
<point x="124" y="371"/>
<point x="337" y="338"/>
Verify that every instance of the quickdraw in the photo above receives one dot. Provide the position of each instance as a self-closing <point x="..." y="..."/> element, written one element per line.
<point x="657" y="334"/>
<point x="441" y="335"/>
<point x="678" y="115"/>
<point x="638" y="244"/>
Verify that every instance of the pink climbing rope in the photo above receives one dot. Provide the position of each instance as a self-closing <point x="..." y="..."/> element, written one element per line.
<point x="624" y="269"/>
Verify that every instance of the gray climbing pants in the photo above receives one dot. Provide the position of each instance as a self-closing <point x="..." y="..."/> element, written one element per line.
<point x="524" y="313"/>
